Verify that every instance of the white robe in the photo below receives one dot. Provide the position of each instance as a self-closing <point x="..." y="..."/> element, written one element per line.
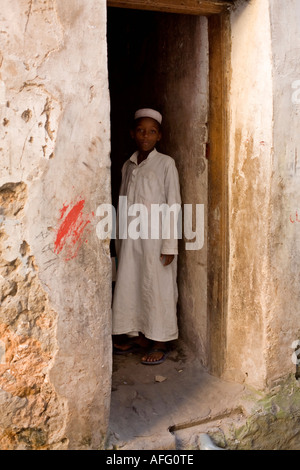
<point x="145" y="295"/>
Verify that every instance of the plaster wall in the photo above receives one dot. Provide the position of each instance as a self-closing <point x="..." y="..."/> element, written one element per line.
<point x="249" y="174"/>
<point x="55" y="273"/>
<point x="283" y="326"/>
<point x="263" y="307"/>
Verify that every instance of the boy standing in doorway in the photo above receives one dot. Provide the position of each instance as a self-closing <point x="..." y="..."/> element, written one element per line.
<point x="145" y="295"/>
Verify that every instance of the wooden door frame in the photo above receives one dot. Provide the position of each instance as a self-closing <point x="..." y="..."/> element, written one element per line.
<point x="187" y="7"/>
<point x="218" y="227"/>
<point x="219" y="77"/>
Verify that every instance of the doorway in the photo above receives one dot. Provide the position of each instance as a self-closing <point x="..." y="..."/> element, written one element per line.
<point x="161" y="60"/>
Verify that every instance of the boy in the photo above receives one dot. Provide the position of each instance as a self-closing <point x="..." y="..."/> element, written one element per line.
<point x="145" y="295"/>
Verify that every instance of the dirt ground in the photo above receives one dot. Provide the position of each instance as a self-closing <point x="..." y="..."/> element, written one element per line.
<point x="170" y="405"/>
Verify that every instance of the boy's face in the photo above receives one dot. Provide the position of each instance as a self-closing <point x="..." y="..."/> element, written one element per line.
<point x="146" y="134"/>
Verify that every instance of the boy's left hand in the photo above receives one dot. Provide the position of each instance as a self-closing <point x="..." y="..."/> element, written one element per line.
<point x="166" y="259"/>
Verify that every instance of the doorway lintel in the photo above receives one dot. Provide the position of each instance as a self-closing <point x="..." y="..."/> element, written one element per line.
<point x="189" y="7"/>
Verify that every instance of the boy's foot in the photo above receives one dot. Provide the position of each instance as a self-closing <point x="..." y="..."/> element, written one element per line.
<point x="130" y="344"/>
<point x="125" y="349"/>
<point x="156" y="355"/>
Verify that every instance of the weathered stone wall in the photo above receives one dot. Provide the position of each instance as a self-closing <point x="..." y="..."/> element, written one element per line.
<point x="283" y="325"/>
<point x="251" y="147"/>
<point x="55" y="365"/>
<point x="31" y="412"/>
<point x="263" y="318"/>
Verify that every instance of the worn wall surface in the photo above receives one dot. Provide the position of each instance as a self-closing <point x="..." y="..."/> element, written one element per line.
<point x="263" y="310"/>
<point x="249" y="179"/>
<point x="283" y="326"/>
<point x="55" y="273"/>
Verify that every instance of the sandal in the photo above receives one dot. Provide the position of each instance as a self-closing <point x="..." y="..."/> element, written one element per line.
<point x="165" y="353"/>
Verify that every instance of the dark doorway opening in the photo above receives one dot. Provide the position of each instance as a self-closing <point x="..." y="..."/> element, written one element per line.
<point x="160" y="60"/>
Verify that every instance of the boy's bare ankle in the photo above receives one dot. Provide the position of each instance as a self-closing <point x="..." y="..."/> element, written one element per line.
<point x="142" y="341"/>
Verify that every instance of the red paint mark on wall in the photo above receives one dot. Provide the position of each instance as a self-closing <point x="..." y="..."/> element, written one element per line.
<point x="63" y="210"/>
<point x="69" y="237"/>
<point x="295" y="220"/>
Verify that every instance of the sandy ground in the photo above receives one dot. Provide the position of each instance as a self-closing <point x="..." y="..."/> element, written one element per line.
<point x="170" y="405"/>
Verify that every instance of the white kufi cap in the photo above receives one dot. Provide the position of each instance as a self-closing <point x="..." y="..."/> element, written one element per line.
<point x="148" y="112"/>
